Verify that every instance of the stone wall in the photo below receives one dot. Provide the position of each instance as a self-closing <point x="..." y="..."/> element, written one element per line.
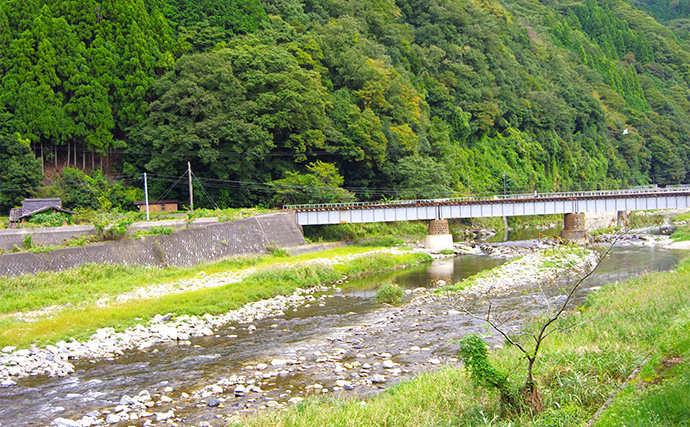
<point x="182" y="248"/>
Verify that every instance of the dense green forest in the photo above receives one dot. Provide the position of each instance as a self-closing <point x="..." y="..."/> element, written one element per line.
<point x="280" y="101"/>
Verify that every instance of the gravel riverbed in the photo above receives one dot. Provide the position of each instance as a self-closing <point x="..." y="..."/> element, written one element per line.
<point x="358" y="360"/>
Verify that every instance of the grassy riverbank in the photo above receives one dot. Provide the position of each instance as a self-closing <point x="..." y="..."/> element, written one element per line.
<point x="645" y="321"/>
<point x="81" y="287"/>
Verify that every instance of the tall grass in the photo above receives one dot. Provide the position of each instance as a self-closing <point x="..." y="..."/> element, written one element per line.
<point x="90" y="282"/>
<point x="618" y="328"/>
<point x="406" y="230"/>
<point x="81" y="321"/>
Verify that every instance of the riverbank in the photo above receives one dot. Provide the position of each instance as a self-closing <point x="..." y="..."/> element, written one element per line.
<point x="640" y="323"/>
<point x="202" y="297"/>
<point x="359" y="359"/>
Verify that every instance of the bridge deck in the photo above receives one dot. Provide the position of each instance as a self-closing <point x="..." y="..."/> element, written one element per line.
<point x="494" y="206"/>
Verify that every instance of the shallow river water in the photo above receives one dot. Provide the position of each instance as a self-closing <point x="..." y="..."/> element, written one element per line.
<point x="346" y="322"/>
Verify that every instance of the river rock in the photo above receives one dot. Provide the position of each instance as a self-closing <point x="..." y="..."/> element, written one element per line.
<point x="87" y="421"/>
<point x="65" y="422"/>
<point x="215" y="389"/>
<point x="388" y="364"/>
<point x="378" y="379"/>
<point x="10" y="349"/>
<point x="295" y="400"/>
<point x="7" y="383"/>
<point x="213" y="402"/>
<point x="240" y="390"/>
<point x="164" y="416"/>
<point x="126" y="400"/>
<point x="112" y="419"/>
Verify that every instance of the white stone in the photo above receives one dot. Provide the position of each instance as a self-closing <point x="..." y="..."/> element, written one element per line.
<point x="295" y="400"/>
<point x="378" y="379"/>
<point x="112" y="419"/>
<point x="6" y="383"/>
<point x="64" y="422"/>
<point x="215" y="389"/>
<point x="388" y="364"/>
<point x="10" y="349"/>
<point x="435" y="361"/>
<point x="126" y="400"/>
<point x="278" y="362"/>
<point x="164" y="416"/>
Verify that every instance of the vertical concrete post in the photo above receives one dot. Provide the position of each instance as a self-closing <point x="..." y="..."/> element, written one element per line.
<point x="622" y="218"/>
<point x="438" y="237"/>
<point x="573" y="226"/>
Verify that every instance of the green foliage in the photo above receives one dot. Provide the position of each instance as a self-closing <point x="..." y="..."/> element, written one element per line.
<point x="475" y="356"/>
<point x="320" y="185"/>
<point x="280" y="253"/>
<point x="681" y="234"/>
<point x="405" y="99"/>
<point x="153" y="231"/>
<point x="20" y="172"/>
<point x="94" y="191"/>
<point x="51" y="219"/>
<point x="389" y="293"/>
<point x="115" y="231"/>
<point x="28" y="244"/>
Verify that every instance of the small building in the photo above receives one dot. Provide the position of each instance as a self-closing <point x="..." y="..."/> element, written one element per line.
<point x="33" y="206"/>
<point x="158" y="206"/>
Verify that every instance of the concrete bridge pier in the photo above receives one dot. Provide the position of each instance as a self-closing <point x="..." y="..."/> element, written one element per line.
<point x="573" y="226"/>
<point x="622" y="218"/>
<point x="438" y="237"/>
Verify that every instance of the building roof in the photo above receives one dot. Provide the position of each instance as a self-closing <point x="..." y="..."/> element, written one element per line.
<point x="34" y="206"/>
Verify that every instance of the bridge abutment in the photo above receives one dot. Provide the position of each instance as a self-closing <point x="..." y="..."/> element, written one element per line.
<point x="438" y="237"/>
<point x="573" y="226"/>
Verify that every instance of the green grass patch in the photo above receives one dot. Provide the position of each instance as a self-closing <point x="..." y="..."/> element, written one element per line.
<point x="681" y="234"/>
<point x="389" y="293"/>
<point x="80" y="321"/>
<point x="617" y="329"/>
<point x="89" y="282"/>
<point x="400" y="231"/>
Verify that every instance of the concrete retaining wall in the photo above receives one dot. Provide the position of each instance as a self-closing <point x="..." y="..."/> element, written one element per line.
<point x="181" y="249"/>
<point x="44" y="235"/>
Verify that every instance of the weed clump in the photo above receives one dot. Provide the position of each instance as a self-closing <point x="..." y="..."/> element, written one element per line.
<point x="389" y="293"/>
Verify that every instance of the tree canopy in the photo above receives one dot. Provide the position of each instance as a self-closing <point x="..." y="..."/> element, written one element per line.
<point x="403" y="98"/>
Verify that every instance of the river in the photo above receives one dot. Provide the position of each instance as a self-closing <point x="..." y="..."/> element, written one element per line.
<point x="341" y="328"/>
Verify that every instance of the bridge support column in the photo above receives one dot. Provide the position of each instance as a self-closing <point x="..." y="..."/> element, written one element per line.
<point x="573" y="226"/>
<point x="438" y="237"/>
<point x="622" y="218"/>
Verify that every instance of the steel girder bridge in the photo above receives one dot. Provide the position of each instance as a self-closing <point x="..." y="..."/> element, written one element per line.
<point x="493" y="206"/>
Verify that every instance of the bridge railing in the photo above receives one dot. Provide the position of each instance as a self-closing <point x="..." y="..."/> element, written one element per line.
<point x="499" y="197"/>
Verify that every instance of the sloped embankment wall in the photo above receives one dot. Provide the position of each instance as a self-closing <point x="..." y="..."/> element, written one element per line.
<point x="181" y="249"/>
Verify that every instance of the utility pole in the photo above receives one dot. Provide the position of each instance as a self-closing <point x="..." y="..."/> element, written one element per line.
<point x="146" y="196"/>
<point x="191" y="189"/>
<point x="504" y="183"/>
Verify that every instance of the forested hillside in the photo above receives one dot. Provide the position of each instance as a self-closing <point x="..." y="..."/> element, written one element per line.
<point x="320" y="100"/>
